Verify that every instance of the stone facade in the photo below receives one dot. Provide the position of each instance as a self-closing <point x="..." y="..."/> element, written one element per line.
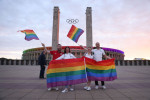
<point x="55" y="33"/>
<point x="89" y="38"/>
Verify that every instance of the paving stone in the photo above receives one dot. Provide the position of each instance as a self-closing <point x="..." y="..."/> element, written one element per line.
<point x="120" y="98"/>
<point x="139" y="98"/>
<point x="50" y="95"/>
<point x="33" y="96"/>
<point x="23" y="90"/>
<point x="6" y="93"/>
<point x="68" y="95"/>
<point x="16" y="95"/>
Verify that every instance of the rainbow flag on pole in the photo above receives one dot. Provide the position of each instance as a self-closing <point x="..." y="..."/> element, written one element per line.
<point x="29" y="35"/>
<point x="75" y="33"/>
<point x="72" y="71"/>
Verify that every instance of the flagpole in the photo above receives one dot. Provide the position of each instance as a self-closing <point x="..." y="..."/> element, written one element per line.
<point x="78" y="44"/>
<point x="85" y="70"/>
<point x="40" y="41"/>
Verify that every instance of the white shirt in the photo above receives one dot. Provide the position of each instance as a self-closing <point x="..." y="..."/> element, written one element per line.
<point x="66" y="56"/>
<point x="89" y="56"/>
<point x="98" y="54"/>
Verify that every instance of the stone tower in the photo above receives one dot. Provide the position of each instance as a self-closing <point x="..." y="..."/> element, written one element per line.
<point x="55" y="31"/>
<point x="89" y="38"/>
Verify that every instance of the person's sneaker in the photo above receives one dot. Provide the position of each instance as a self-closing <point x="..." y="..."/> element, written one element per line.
<point x="49" y="89"/>
<point x="96" y="87"/>
<point x="103" y="87"/>
<point x="65" y="90"/>
<point x="71" y="89"/>
<point x="88" y="88"/>
<point x="56" y="88"/>
<point x="85" y="87"/>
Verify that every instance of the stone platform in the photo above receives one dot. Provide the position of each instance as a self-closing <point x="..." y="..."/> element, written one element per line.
<point x="22" y="83"/>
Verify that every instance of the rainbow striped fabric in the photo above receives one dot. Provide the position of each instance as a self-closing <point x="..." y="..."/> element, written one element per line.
<point x="72" y="71"/>
<point x="65" y="72"/>
<point x="29" y="35"/>
<point x="75" y="33"/>
<point x="101" y="71"/>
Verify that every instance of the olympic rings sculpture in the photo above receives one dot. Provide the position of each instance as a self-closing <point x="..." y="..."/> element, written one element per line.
<point x="72" y="21"/>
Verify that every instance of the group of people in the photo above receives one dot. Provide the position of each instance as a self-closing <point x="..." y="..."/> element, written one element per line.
<point x="95" y="54"/>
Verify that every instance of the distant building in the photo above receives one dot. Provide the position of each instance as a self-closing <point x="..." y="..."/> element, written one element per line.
<point x="32" y="54"/>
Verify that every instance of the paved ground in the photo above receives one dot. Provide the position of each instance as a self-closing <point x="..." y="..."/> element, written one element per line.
<point x="22" y="83"/>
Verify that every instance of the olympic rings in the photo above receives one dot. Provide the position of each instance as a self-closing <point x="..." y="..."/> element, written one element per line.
<point x="72" y="21"/>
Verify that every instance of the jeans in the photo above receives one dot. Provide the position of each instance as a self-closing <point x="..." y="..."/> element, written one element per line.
<point x="42" y="71"/>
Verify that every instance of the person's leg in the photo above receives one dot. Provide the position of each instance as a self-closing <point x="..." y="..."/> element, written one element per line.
<point x="71" y="88"/>
<point x="40" y="76"/>
<point x="65" y="90"/>
<point x="88" y="85"/>
<point x="49" y="89"/>
<point x="103" y="85"/>
<point x="43" y="70"/>
<point x="96" y="85"/>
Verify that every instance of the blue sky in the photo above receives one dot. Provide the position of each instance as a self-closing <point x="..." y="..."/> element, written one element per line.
<point x="119" y="24"/>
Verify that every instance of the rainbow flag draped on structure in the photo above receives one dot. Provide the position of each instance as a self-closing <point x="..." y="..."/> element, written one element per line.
<point x="29" y="35"/>
<point x="72" y="71"/>
<point x="74" y="33"/>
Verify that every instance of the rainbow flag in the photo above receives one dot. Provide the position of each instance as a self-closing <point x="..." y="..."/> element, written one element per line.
<point x="74" y="33"/>
<point x="101" y="71"/>
<point x="72" y="71"/>
<point x="29" y="35"/>
<point x="65" y="72"/>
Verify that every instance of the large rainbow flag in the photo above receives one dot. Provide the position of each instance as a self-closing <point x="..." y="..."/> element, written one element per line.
<point x="29" y="35"/>
<point x="66" y="72"/>
<point x="74" y="33"/>
<point x="79" y="70"/>
<point x="101" y="71"/>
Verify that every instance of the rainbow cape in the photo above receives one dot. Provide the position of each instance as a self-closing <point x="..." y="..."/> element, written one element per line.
<point x="29" y="35"/>
<point x="79" y="70"/>
<point x="74" y="33"/>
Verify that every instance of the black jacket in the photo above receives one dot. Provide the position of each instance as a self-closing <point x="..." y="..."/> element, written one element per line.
<point x="42" y="59"/>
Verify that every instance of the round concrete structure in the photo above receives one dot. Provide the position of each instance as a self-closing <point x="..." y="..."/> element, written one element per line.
<point x="33" y="54"/>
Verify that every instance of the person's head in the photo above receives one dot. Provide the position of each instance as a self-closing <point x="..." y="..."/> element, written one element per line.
<point x="89" y="49"/>
<point x="44" y="52"/>
<point x="67" y="50"/>
<point x="59" y="47"/>
<point x="97" y="45"/>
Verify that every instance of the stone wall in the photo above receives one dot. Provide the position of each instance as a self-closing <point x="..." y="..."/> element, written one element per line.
<point x="132" y="62"/>
<point x="117" y="62"/>
<point x="19" y="62"/>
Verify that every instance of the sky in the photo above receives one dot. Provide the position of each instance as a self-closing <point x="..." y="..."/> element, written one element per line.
<point x="118" y="24"/>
